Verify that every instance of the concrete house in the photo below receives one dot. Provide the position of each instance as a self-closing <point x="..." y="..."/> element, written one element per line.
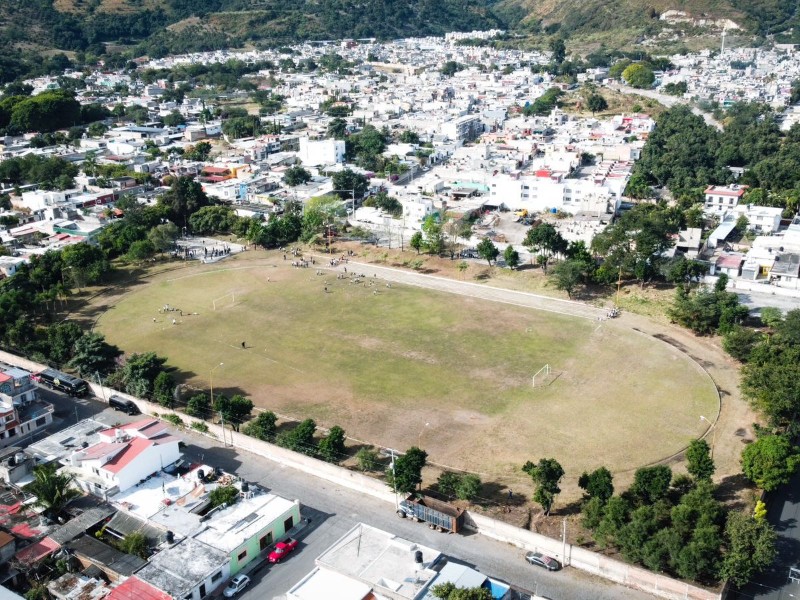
<point x="720" y="199"/>
<point x="124" y="456"/>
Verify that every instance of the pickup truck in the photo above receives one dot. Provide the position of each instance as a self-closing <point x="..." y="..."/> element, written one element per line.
<point x="282" y="549"/>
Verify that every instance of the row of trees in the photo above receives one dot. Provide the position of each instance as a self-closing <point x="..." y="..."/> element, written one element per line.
<point x="668" y="523"/>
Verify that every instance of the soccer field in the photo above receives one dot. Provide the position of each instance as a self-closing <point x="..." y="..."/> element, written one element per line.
<point x="400" y="366"/>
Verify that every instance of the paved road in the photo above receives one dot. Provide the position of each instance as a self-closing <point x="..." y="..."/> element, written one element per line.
<point x="477" y="290"/>
<point x="784" y="514"/>
<point x="333" y="511"/>
<point x="756" y="301"/>
<point x="668" y="101"/>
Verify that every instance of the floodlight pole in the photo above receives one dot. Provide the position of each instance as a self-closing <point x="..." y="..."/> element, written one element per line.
<point x="713" y="433"/>
<point x="394" y="481"/>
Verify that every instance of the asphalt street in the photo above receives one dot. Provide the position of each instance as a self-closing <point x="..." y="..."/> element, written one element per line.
<point x="784" y="513"/>
<point x="332" y="511"/>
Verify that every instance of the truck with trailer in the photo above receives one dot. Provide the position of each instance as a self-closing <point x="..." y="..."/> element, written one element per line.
<point x="437" y="514"/>
<point x="56" y="380"/>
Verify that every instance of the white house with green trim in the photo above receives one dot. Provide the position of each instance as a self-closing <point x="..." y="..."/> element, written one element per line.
<point x="248" y="529"/>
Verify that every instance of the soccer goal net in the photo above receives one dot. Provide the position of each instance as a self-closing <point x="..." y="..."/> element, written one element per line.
<point x="540" y="377"/>
<point x="224" y="301"/>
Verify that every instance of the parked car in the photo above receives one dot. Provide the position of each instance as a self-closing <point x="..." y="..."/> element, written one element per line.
<point x="282" y="549"/>
<point x="236" y="585"/>
<point x="542" y="560"/>
<point x="126" y="406"/>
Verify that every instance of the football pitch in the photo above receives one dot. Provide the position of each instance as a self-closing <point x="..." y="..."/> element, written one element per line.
<point x="397" y="365"/>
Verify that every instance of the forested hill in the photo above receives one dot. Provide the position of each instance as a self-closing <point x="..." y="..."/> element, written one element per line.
<point x="158" y="27"/>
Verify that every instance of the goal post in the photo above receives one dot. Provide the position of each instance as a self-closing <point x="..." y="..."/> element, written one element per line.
<point x="541" y="374"/>
<point x="220" y="302"/>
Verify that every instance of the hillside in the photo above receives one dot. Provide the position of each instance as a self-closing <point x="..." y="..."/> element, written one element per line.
<point x="594" y="16"/>
<point x="85" y="25"/>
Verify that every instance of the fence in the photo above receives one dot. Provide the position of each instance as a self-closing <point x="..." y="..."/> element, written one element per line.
<point x="574" y="556"/>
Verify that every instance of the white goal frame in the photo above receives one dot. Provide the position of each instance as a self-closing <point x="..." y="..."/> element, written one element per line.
<point x="543" y="372"/>
<point x="232" y="296"/>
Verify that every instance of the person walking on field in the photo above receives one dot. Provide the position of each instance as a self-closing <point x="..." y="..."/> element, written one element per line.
<point x="243" y="345"/>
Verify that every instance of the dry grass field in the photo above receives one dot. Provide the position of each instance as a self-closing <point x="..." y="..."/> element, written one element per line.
<point x="398" y="366"/>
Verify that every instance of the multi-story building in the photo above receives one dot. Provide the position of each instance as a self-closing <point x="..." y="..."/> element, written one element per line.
<point x="21" y="412"/>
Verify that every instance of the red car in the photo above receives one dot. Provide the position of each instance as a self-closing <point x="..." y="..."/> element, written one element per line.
<point x="282" y="549"/>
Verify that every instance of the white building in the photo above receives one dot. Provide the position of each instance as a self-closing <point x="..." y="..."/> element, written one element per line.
<point x="721" y="199"/>
<point x="124" y="456"/>
<point x="315" y="153"/>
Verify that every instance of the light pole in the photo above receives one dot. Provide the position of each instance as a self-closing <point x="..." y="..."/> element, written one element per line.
<point x="211" y="385"/>
<point x="421" y="431"/>
<point x="713" y="431"/>
<point x="394" y="481"/>
<point x="352" y="196"/>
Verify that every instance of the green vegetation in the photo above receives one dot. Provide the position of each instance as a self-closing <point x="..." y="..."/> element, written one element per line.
<point x="770" y="461"/>
<point x="406" y="475"/>
<point x="464" y="486"/>
<point x="223" y="494"/>
<point x="262" y="427"/>
<point x="546" y="476"/>
<point x="300" y="438"/>
<point x="53" y="490"/>
<point x="135" y="543"/>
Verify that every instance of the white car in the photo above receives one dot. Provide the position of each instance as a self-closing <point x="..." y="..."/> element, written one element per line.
<point x="236" y="585"/>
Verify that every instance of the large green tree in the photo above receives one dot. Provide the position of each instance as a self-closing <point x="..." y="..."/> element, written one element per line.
<point x="93" y="355"/>
<point x="699" y="462"/>
<point x="770" y="461"/>
<point x="749" y="548"/>
<point x="184" y="198"/>
<point x="406" y="474"/>
<point x="546" y="476"/>
<point x="53" y="489"/>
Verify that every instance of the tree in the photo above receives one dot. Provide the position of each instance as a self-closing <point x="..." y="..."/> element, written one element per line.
<point x="223" y="494"/>
<point x="174" y="119"/>
<point x="559" y="50"/>
<point x="750" y="548"/>
<point x="199" y="152"/>
<point x="163" y="236"/>
<point x="770" y="461"/>
<point x="348" y="180"/>
<point x="544" y="240"/>
<point x="164" y="390"/>
<point x="184" y="198"/>
<point x="92" y="354"/>
<point x="433" y="235"/>
<point x="409" y="137"/>
<point x="61" y="341"/>
<point x="331" y="448"/>
<point x="406" y="474"/>
<point x="615" y="516"/>
<point x="567" y="275"/>
<point x="368" y="460"/>
<point x="450" y="68"/>
<point x="139" y="371"/>
<point x="699" y="462"/>
<point x="468" y="487"/>
<point x="296" y="175"/>
<point x="596" y="103"/>
<point x="416" y="241"/>
<point x="511" y="256"/>
<point x="337" y="128"/>
<point x="546" y="476"/>
<point x="487" y="250"/>
<point x="140" y="251"/>
<point x="651" y="484"/>
<point x="213" y="219"/>
<point x="53" y="490"/>
<point x="135" y="543"/>
<point x="300" y="438"/>
<point x="597" y="484"/>
<point x="771" y="316"/>
<point x="639" y="76"/>
<point x="235" y="410"/>
<point x="262" y="427"/>
<point x="449" y="591"/>
<point x="199" y="406"/>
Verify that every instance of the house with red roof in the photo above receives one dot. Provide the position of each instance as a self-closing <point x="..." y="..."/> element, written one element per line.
<point x="123" y="456"/>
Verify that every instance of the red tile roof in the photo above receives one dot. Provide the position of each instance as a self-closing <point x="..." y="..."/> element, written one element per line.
<point x="4" y="377"/>
<point x="124" y="458"/>
<point x="36" y="552"/>
<point x="135" y="589"/>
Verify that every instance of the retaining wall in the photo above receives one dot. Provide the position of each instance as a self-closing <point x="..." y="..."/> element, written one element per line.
<point x="574" y="556"/>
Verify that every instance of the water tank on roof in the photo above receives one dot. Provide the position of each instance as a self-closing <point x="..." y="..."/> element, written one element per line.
<point x="201" y="474"/>
<point x="245" y="486"/>
<point x="19" y="458"/>
<point x="169" y="537"/>
<point x="418" y="557"/>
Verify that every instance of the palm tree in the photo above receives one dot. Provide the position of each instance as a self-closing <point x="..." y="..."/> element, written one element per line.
<point x="53" y="490"/>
